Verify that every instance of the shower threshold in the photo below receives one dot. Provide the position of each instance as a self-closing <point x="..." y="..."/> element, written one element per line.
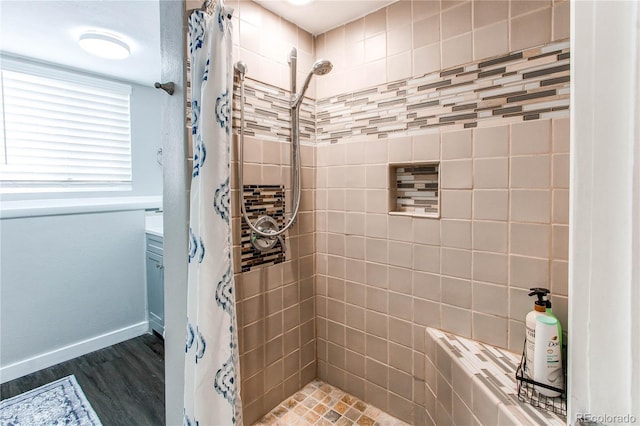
<point x="319" y="403"/>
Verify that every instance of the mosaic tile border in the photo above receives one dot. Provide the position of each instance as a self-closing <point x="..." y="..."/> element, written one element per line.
<point x="261" y="200"/>
<point x="319" y="403"/>
<point x="527" y="85"/>
<point x="267" y="114"/>
<point x="495" y="368"/>
<point x="416" y="188"/>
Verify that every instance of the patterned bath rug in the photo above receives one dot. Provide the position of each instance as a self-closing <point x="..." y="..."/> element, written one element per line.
<point x="57" y="403"/>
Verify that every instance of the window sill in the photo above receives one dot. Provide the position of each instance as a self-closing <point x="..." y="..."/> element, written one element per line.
<point x="36" y="208"/>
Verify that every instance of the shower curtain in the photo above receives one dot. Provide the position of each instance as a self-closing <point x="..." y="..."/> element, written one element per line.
<point x="212" y="382"/>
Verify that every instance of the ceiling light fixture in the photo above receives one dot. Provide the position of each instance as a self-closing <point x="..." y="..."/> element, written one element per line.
<point x="104" y="45"/>
<point x="300" y="2"/>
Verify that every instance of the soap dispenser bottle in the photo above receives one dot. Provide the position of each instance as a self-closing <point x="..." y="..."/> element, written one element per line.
<point x="539" y="308"/>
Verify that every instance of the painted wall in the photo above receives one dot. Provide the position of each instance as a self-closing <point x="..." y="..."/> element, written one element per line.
<point x="70" y="281"/>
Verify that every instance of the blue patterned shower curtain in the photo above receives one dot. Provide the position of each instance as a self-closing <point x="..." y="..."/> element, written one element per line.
<point x="212" y="382"/>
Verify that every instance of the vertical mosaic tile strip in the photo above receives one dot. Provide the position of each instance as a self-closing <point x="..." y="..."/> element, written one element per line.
<point x="416" y="188"/>
<point x="321" y="404"/>
<point x="524" y="85"/>
<point x="494" y="368"/>
<point x="261" y="200"/>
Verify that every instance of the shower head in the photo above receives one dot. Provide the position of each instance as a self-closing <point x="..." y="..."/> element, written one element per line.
<point x="320" y="67"/>
<point x="241" y="68"/>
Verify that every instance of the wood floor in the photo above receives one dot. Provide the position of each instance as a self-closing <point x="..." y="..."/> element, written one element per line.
<point x="124" y="383"/>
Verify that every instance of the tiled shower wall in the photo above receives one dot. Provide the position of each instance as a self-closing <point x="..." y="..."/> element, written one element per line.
<point x="381" y="279"/>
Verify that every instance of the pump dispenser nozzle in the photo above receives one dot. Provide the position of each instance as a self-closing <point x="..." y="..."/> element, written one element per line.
<point x="540" y="304"/>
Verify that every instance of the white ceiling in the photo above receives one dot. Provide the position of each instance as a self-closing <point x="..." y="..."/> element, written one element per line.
<point x="48" y="30"/>
<point x="320" y="16"/>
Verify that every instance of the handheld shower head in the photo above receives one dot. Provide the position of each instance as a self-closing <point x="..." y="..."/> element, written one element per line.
<point x="241" y="68"/>
<point x="320" y="67"/>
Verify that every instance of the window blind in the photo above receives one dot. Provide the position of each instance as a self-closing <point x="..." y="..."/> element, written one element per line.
<point x="62" y="131"/>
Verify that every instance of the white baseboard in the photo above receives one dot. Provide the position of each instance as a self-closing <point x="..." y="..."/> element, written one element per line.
<point x="38" y="362"/>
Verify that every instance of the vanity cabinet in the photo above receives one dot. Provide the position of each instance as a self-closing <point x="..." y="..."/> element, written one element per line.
<point x="155" y="283"/>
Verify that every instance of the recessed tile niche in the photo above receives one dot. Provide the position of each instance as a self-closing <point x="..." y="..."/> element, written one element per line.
<point x="414" y="189"/>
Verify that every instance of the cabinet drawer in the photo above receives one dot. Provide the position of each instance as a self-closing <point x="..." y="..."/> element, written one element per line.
<point x="154" y="244"/>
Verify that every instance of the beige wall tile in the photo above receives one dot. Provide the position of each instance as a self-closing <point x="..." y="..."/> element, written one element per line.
<point x="560" y="241"/>
<point x="456" y="320"/>
<point x="356" y="53"/>
<point x="530" y="172"/>
<point x="559" y="277"/>
<point x="426" y="231"/>
<point x="456" y="174"/>
<point x="491" y="173"/>
<point x="376" y="250"/>
<point x="426" y="313"/>
<point x="530" y="205"/>
<point x="400" y="228"/>
<point x="490" y="204"/>
<point x="561" y="24"/>
<point x="423" y="8"/>
<point x="490" y="236"/>
<point x="486" y="12"/>
<point x="376" y="225"/>
<point x="516" y="336"/>
<point x="531" y="137"/>
<point x="400" y="306"/>
<point x="354" y="200"/>
<point x="399" y="66"/>
<point x="426" y="147"/>
<point x="426" y="286"/>
<point x="529" y="239"/>
<point x="400" y="149"/>
<point x="377" y="276"/>
<point x="375" y="23"/>
<point x="491" y="141"/>
<point x="456" y="233"/>
<point x="491" y="41"/>
<point x="561" y="135"/>
<point x="426" y="31"/>
<point x="490" y="329"/>
<point x="560" y="206"/>
<point x="376" y="152"/>
<point x="426" y="258"/>
<point x="490" y="299"/>
<point x="426" y="59"/>
<point x="354" y="30"/>
<point x="456" y="263"/>
<point x="456" y="204"/>
<point x="400" y="280"/>
<point x="490" y="267"/>
<point x="456" y="292"/>
<point x="399" y="40"/>
<point x="560" y="170"/>
<point x="377" y="201"/>
<point x="457" y="51"/>
<point x="527" y="272"/>
<point x="519" y="7"/>
<point x="399" y="15"/>
<point x="354" y="223"/>
<point x="456" y="21"/>
<point x="400" y="254"/>
<point x="456" y="145"/>
<point x="375" y="47"/>
<point x="530" y="30"/>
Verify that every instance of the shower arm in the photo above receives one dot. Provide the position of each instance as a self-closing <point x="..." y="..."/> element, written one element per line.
<point x="295" y="171"/>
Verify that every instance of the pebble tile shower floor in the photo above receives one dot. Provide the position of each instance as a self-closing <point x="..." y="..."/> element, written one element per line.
<point x="321" y="404"/>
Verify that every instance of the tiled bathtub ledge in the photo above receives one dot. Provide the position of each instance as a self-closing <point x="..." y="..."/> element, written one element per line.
<point x="468" y="382"/>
